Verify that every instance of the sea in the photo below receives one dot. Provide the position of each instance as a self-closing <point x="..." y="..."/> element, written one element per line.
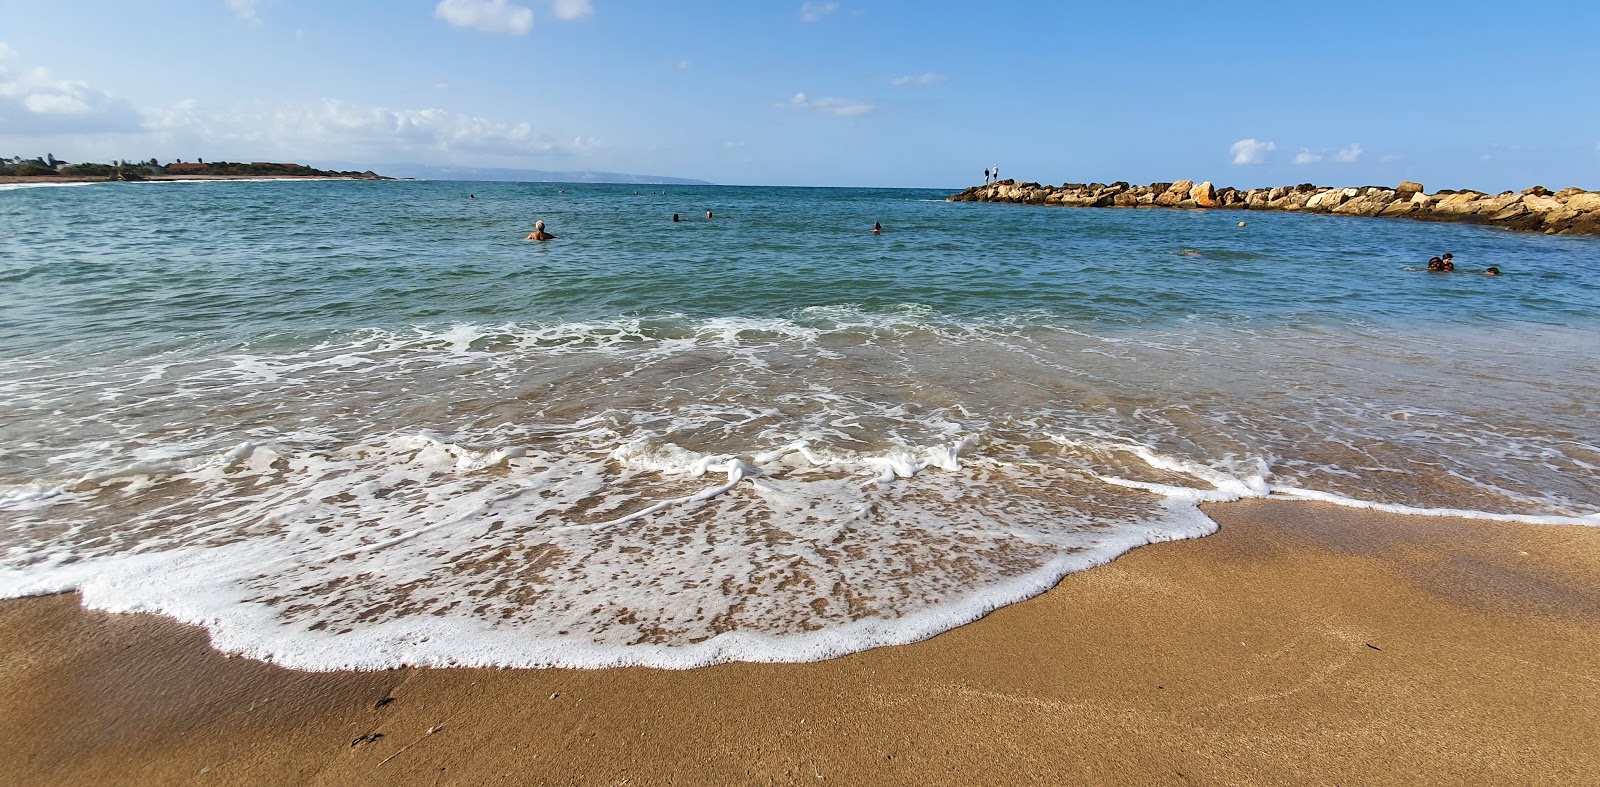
<point x="359" y="425"/>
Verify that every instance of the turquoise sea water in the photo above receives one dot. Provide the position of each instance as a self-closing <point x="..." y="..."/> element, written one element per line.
<point x="365" y="423"/>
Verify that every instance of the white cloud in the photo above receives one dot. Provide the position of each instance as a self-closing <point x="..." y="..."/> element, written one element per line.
<point x="843" y="107"/>
<point x="6" y="53"/>
<point x="245" y="10"/>
<point x="489" y="16"/>
<point x="814" y="12"/>
<point x="1348" y="155"/>
<point x="32" y="101"/>
<point x="336" y="129"/>
<point x="573" y="9"/>
<point x="923" y="80"/>
<point x="1307" y="157"/>
<point x="1249" y="151"/>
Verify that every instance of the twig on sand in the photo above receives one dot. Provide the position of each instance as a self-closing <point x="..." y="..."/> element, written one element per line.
<point x="402" y="749"/>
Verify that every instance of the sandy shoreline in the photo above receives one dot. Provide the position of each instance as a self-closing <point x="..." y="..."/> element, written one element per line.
<point x="1303" y="643"/>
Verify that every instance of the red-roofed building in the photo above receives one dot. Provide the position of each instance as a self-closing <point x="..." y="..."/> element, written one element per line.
<point x="180" y="167"/>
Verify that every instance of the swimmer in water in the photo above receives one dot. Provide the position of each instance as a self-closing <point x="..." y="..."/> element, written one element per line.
<point x="708" y="214"/>
<point x="877" y="229"/>
<point x="675" y="218"/>
<point x="538" y="232"/>
<point x="1491" y="271"/>
<point x="1435" y="264"/>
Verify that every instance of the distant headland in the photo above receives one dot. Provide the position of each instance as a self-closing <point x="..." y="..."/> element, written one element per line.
<point x="49" y="169"/>
<point x="1570" y="211"/>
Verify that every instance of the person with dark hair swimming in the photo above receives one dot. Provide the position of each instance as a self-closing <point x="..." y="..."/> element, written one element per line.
<point x="1448" y="261"/>
<point x="1435" y="264"/>
<point x="877" y="229"/>
<point x="675" y="218"/>
<point x="1491" y="271"/>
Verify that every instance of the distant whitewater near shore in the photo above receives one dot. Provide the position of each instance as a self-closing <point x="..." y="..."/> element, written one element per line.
<point x="423" y="172"/>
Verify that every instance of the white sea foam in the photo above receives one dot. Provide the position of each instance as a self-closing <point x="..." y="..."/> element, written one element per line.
<point x="16" y="186"/>
<point x="674" y="492"/>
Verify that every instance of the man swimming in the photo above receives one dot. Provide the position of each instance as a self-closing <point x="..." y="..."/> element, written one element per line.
<point x="538" y="232"/>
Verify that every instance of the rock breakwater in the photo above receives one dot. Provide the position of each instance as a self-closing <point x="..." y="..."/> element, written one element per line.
<point x="1571" y="211"/>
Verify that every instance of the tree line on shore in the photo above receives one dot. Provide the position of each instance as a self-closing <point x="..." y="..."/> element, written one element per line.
<point x="50" y="166"/>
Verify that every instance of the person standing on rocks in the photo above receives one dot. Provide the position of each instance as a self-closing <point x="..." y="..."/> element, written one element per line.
<point x="986" y="176"/>
<point x="996" y="174"/>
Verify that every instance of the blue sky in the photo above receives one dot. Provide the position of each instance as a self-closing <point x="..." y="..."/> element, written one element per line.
<point x="1452" y="94"/>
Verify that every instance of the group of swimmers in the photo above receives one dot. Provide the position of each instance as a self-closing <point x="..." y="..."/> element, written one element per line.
<point x="1446" y="263"/>
<point x="539" y="233"/>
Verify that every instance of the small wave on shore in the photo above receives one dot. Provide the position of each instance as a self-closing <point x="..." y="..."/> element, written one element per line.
<point x="674" y="492"/>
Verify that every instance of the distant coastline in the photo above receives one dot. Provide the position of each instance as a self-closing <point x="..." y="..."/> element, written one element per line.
<point x="10" y="179"/>
<point x="49" y="169"/>
<point x="1570" y="211"/>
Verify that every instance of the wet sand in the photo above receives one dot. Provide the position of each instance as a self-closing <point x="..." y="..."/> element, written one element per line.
<point x="1302" y="644"/>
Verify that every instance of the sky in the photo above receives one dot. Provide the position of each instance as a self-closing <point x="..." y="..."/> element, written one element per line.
<point x="924" y="93"/>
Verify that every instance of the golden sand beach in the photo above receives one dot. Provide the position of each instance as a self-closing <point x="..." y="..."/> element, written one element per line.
<point x="1302" y="644"/>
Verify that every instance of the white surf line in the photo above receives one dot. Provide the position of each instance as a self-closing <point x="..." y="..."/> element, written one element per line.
<point x="1227" y="489"/>
<point x="1585" y="520"/>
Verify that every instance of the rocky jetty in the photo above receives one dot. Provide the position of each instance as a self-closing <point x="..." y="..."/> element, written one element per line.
<point x="1570" y="211"/>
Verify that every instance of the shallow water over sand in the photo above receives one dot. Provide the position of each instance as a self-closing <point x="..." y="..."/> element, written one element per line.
<point x="363" y="424"/>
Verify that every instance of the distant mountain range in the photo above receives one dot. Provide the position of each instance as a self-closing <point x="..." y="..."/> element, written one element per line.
<point x="423" y="172"/>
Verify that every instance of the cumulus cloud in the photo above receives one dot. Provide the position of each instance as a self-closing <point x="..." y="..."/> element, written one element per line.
<point x="245" y="10"/>
<point x="1307" y="157"/>
<point x="843" y="107"/>
<point x="924" y="80"/>
<point x="328" y="128"/>
<point x="489" y="16"/>
<point x="1250" y="151"/>
<point x="814" y="12"/>
<point x="573" y="9"/>
<point x="33" y="102"/>
<point x="1348" y="155"/>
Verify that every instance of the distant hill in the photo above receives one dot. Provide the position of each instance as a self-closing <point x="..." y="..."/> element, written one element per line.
<point x="423" y="172"/>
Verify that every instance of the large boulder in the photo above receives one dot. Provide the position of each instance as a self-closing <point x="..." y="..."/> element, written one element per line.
<point x="1508" y="213"/>
<point x="1409" y="187"/>
<point x="1584" y="201"/>
<point x="1584" y="224"/>
<point x="1370" y="204"/>
<point x="1324" y="201"/>
<point x="1204" y="194"/>
<point x="1125" y="199"/>
<point x="1557" y="220"/>
<point x="1175" y="193"/>
<point x="1461" y="204"/>
<point x="1399" y="207"/>
<point x="1489" y="206"/>
<point x="1539" y="203"/>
